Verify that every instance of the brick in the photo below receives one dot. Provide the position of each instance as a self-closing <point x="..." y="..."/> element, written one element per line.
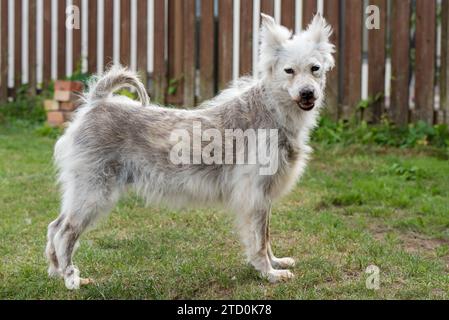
<point x="68" y="106"/>
<point x="64" y="85"/>
<point x="65" y="96"/>
<point x="51" y="105"/>
<point x="58" y="118"/>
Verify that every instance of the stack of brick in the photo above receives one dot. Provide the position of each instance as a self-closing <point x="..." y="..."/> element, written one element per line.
<point x="64" y="103"/>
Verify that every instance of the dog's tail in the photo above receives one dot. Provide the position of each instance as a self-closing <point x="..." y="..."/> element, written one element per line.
<point x="115" y="78"/>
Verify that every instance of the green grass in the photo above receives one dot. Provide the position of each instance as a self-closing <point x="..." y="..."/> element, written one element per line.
<point x="356" y="206"/>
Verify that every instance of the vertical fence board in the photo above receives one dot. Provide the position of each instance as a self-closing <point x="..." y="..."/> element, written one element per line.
<point x="175" y="51"/>
<point x="61" y="39"/>
<point x="207" y="52"/>
<point x="288" y="14"/>
<point x="77" y="41"/>
<point x="4" y="51"/>
<point x="108" y="32"/>
<point x="352" y="57"/>
<point x="142" y="40"/>
<point x="225" y="36"/>
<point x="267" y="7"/>
<point x="444" y="79"/>
<point x="17" y="44"/>
<point x="400" y="61"/>
<point x="246" y="37"/>
<point x="425" y="60"/>
<point x="125" y="32"/>
<point x="47" y="43"/>
<point x="309" y="9"/>
<point x="377" y="46"/>
<point x="189" y="52"/>
<point x="32" y="48"/>
<point x="92" y="36"/>
<point x="332" y="14"/>
<point x="160" y="66"/>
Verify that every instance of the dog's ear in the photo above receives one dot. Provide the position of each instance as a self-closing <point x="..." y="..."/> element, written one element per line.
<point x="272" y="38"/>
<point x="320" y="32"/>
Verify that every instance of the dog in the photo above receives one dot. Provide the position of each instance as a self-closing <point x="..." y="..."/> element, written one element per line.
<point x="115" y="144"/>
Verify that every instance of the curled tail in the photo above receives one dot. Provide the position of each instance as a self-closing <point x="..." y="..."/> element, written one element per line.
<point x="114" y="79"/>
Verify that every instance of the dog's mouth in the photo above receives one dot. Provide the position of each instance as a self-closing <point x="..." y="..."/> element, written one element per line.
<point x="306" y="106"/>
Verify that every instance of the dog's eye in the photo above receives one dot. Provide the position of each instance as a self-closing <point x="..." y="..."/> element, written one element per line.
<point x="315" y="68"/>
<point x="289" y="71"/>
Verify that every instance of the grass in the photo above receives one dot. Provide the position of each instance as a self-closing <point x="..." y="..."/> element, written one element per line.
<point x="356" y="206"/>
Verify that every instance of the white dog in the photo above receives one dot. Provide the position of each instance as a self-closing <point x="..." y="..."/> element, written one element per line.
<point x="115" y="144"/>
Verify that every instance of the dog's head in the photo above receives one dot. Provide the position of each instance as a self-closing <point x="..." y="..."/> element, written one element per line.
<point x="297" y="64"/>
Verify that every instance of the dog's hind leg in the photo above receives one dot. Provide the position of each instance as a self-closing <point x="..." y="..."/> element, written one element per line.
<point x="277" y="263"/>
<point x="253" y="229"/>
<point x="84" y="209"/>
<point x="50" y="252"/>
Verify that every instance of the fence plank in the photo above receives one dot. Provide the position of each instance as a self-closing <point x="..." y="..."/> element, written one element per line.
<point x="225" y="36"/>
<point x="61" y="39"/>
<point x="400" y="61"/>
<point x="17" y="44"/>
<point x="93" y="36"/>
<point x="425" y="60"/>
<point x="332" y="14"/>
<point x="175" y="52"/>
<point x="376" y="64"/>
<point x="125" y="32"/>
<point x="108" y="32"/>
<point x="267" y="7"/>
<point x="189" y="52"/>
<point x="309" y="9"/>
<point x="288" y="14"/>
<point x="142" y="40"/>
<point x="76" y="57"/>
<point x="4" y="51"/>
<point x="207" y="50"/>
<point x="160" y="66"/>
<point x="246" y="37"/>
<point x="47" y="43"/>
<point x="352" y="57"/>
<point x="32" y="48"/>
<point x="444" y="79"/>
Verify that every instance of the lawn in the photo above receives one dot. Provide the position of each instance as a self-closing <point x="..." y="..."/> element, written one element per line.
<point x="356" y="206"/>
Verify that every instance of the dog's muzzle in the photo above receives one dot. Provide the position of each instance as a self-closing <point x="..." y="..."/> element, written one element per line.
<point x="307" y="100"/>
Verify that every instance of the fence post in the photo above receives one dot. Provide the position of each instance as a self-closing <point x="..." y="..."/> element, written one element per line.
<point x="93" y="36"/>
<point x="246" y="37"/>
<point x="425" y="60"/>
<point x="77" y="62"/>
<point x="444" y="79"/>
<point x="189" y="52"/>
<point x="61" y="39"/>
<point x="400" y="62"/>
<point x="207" y="50"/>
<point x="267" y="7"/>
<point x="125" y="32"/>
<point x="225" y="36"/>
<point x="377" y="46"/>
<point x="352" y="57"/>
<point x="108" y="32"/>
<point x="160" y="66"/>
<point x="47" y="43"/>
<point x="17" y="45"/>
<point x="142" y="40"/>
<point x="4" y="51"/>
<point x="32" y="48"/>
<point x="332" y="14"/>
<point x="288" y="14"/>
<point x="309" y="9"/>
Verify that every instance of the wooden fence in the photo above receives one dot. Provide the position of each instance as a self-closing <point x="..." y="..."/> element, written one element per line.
<point x="187" y="50"/>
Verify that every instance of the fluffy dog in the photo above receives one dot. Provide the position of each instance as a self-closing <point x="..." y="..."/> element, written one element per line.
<point x="115" y="144"/>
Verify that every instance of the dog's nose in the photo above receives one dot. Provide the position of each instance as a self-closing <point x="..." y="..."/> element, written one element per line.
<point x="307" y="95"/>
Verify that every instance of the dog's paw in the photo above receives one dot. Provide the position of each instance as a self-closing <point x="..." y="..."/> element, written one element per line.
<point x="279" y="275"/>
<point x="283" y="263"/>
<point x="72" y="278"/>
<point x="54" y="272"/>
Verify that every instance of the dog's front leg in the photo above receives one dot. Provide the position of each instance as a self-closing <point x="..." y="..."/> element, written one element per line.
<point x="253" y="229"/>
<point x="277" y="263"/>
